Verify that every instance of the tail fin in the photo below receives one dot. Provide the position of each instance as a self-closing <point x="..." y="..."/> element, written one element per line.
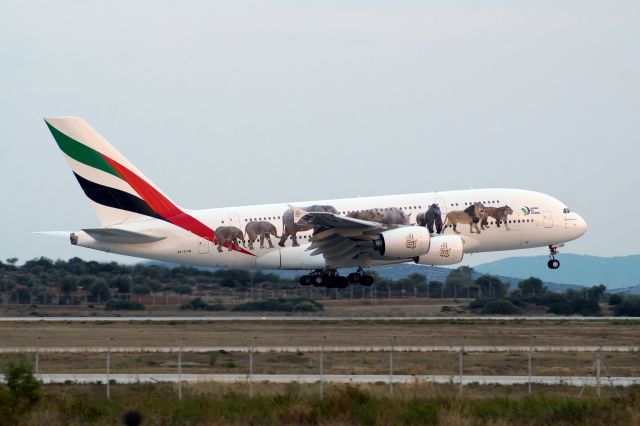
<point x="117" y="190"/>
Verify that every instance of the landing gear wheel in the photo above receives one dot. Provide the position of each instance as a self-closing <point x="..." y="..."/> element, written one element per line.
<point x="553" y="264"/>
<point x="318" y="281"/>
<point x="342" y="282"/>
<point x="330" y="282"/>
<point x="366" y="280"/>
<point x="354" y="277"/>
<point x="306" y="280"/>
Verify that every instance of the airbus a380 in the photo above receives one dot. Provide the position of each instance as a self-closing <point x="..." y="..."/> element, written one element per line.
<point x="320" y="237"/>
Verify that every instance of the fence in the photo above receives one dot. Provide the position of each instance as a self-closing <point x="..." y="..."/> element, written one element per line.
<point x="383" y="362"/>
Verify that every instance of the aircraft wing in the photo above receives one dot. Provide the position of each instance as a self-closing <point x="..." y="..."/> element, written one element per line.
<point x="339" y="238"/>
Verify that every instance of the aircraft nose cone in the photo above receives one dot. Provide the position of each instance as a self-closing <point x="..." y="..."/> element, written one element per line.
<point x="581" y="225"/>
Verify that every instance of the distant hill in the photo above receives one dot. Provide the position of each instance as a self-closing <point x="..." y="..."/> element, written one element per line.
<point x="576" y="269"/>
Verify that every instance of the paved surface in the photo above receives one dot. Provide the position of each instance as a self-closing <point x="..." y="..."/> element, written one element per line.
<point x="310" y="318"/>
<point x="306" y="349"/>
<point x="333" y="378"/>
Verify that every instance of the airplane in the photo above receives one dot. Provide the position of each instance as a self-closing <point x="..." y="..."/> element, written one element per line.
<point x="321" y="237"/>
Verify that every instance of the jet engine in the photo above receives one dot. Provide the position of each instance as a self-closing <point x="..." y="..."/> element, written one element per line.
<point x="406" y="241"/>
<point x="443" y="250"/>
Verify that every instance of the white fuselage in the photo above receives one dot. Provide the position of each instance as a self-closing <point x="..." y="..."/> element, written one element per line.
<point x="537" y="220"/>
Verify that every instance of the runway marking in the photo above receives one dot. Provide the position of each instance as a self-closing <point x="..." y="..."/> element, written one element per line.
<point x="335" y="378"/>
<point x="311" y="318"/>
<point x="314" y="348"/>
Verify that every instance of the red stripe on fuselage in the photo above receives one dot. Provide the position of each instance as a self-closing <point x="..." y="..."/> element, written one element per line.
<point x="164" y="207"/>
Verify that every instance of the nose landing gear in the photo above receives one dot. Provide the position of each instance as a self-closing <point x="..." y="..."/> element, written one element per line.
<point x="553" y="263"/>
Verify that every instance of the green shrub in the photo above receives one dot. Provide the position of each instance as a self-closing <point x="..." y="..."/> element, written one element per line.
<point x="629" y="307"/>
<point x="22" y="390"/>
<point x="500" y="306"/>
<point x="198" y="304"/>
<point x="123" y="305"/>
<point x="305" y="306"/>
<point x="283" y="305"/>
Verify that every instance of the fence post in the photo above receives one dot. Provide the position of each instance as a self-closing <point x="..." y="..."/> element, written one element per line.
<point x="598" y="370"/>
<point x="529" y="367"/>
<point x="37" y="360"/>
<point x="391" y="365"/>
<point x="180" y="369"/>
<point x="324" y="338"/>
<point x="460" y="364"/>
<point x="251" y="349"/>
<point x="109" y="368"/>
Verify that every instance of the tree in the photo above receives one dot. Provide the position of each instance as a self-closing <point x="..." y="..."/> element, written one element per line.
<point x="491" y="287"/>
<point x="596" y="292"/>
<point x="417" y="278"/>
<point x="629" y="307"/>
<point x="435" y="288"/>
<point x="183" y="289"/>
<point x="532" y="286"/>
<point x="458" y="280"/>
<point x="140" y="289"/>
<point x="99" y="290"/>
<point x="615" y="299"/>
<point x="69" y="284"/>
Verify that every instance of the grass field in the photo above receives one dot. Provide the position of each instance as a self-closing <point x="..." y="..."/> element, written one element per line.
<point x="292" y="333"/>
<point x="364" y="333"/>
<point x="342" y="405"/>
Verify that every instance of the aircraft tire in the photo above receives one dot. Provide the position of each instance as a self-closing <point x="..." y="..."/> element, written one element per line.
<point x="354" y="277"/>
<point x="342" y="282"/>
<point x="553" y="264"/>
<point x="318" y="281"/>
<point x="367" y="280"/>
<point x="306" y="280"/>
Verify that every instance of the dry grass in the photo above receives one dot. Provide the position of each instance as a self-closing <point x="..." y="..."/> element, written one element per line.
<point x="412" y="363"/>
<point x="414" y="404"/>
<point x="379" y="332"/>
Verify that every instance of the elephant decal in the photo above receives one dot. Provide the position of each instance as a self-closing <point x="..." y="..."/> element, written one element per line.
<point x="432" y="216"/>
<point x="291" y="228"/>
<point x="260" y="229"/>
<point x="228" y="235"/>
<point x="388" y="216"/>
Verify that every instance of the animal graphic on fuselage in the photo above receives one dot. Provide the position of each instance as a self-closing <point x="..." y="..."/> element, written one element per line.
<point x="228" y="235"/>
<point x="500" y="214"/>
<point x="471" y="216"/>
<point x="290" y="228"/>
<point x="432" y="216"/>
<point x="260" y="229"/>
<point x="387" y="216"/>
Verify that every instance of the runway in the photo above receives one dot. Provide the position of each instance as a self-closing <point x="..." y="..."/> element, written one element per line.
<point x="310" y="318"/>
<point x="334" y="378"/>
<point x="316" y="348"/>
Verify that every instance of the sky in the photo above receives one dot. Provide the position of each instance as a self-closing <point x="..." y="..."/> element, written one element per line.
<point x="239" y="103"/>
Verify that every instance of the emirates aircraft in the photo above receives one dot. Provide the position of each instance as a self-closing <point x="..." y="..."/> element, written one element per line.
<point x="434" y="228"/>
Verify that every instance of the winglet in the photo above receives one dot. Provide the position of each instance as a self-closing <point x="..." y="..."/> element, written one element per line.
<point x="298" y="213"/>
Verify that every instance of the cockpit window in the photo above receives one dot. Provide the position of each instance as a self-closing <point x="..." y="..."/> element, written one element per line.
<point x="566" y="210"/>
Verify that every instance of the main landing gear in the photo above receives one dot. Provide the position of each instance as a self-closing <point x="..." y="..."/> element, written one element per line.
<point x="330" y="279"/>
<point x="553" y="263"/>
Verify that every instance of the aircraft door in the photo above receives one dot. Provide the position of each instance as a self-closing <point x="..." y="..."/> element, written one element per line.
<point x="203" y="246"/>
<point x="547" y="219"/>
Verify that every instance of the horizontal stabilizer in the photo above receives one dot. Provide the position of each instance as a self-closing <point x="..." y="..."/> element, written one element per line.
<point x="63" y="234"/>
<point x="121" y="236"/>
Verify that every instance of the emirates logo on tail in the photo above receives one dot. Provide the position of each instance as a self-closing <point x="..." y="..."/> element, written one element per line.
<point x="412" y="242"/>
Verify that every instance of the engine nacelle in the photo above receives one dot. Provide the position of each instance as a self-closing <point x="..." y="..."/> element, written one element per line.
<point x="406" y="241"/>
<point x="444" y="250"/>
